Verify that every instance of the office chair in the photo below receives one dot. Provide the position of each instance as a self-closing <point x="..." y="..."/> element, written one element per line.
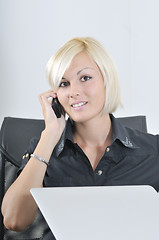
<point x="15" y="135"/>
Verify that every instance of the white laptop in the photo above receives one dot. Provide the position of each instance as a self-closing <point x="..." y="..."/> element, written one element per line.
<point x="100" y="213"/>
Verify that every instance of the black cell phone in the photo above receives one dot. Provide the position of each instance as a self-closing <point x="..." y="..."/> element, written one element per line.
<point x="58" y="109"/>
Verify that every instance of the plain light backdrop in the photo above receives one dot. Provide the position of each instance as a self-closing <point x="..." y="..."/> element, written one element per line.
<point x="32" y="30"/>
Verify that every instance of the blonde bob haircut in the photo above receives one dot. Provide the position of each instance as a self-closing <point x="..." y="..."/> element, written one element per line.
<point x="61" y="60"/>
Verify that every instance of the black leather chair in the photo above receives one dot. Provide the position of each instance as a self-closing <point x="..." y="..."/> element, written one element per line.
<point x="14" y="138"/>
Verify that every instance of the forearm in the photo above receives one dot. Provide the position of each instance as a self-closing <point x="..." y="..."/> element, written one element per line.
<point x="18" y="207"/>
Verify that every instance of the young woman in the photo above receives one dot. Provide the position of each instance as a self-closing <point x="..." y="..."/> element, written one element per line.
<point x="91" y="148"/>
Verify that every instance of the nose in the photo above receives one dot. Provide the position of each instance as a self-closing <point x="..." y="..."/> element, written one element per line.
<point x="74" y="90"/>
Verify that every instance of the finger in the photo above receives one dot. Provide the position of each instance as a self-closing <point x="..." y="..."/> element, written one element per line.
<point x="47" y="96"/>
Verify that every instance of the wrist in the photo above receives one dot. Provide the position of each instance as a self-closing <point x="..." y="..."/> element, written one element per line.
<point x="49" y="136"/>
<point x="47" y="132"/>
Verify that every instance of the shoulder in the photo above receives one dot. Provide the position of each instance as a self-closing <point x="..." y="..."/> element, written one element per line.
<point x="146" y="141"/>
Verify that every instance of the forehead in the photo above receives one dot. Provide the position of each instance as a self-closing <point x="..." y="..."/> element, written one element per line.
<point x="81" y="61"/>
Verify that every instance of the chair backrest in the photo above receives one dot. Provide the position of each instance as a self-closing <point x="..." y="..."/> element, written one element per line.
<point x="14" y="138"/>
<point x="135" y="122"/>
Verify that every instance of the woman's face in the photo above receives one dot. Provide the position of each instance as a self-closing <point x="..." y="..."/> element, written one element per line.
<point x="81" y="91"/>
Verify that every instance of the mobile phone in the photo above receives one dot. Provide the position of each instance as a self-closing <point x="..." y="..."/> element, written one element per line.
<point x="56" y="106"/>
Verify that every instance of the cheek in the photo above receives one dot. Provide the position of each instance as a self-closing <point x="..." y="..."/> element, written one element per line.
<point x="99" y="96"/>
<point x="62" y="97"/>
<point x="97" y="91"/>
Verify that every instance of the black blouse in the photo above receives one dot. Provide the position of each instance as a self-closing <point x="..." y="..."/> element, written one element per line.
<point x="131" y="159"/>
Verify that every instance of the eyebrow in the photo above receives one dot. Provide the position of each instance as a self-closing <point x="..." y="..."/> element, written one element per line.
<point x="81" y="71"/>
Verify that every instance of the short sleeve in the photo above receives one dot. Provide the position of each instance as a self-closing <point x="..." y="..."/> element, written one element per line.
<point x="25" y="158"/>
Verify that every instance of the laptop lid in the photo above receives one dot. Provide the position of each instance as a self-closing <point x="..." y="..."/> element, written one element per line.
<point x="91" y="213"/>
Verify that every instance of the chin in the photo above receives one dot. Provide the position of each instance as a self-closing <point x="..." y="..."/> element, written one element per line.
<point x="78" y="117"/>
<point x="81" y="118"/>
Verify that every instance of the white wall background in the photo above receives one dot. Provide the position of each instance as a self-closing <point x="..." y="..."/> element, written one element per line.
<point x="32" y="30"/>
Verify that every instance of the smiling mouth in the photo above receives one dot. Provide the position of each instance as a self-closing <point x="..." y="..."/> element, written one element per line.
<point x="77" y="105"/>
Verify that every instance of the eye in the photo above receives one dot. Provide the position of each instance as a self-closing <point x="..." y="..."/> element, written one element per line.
<point x="64" y="84"/>
<point x="85" y="78"/>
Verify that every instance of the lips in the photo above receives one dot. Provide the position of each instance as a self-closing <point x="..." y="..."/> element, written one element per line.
<point x="78" y="104"/>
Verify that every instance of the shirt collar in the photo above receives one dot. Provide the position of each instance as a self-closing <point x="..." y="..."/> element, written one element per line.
<point x="66" y="135"/>
<point x="122" y="134"/>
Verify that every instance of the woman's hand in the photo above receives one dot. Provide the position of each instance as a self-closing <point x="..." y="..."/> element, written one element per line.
<point x="53" y="125"/>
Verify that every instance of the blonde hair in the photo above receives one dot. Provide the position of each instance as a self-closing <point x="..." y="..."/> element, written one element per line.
<point x="61" y="60"/>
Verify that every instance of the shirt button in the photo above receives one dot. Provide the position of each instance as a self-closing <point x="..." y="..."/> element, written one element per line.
<point x="108" y="149"/>
<point x="99" y="172"/>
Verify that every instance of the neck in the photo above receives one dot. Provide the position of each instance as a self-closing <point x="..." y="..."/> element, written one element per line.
<point x="96" y="132"/>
